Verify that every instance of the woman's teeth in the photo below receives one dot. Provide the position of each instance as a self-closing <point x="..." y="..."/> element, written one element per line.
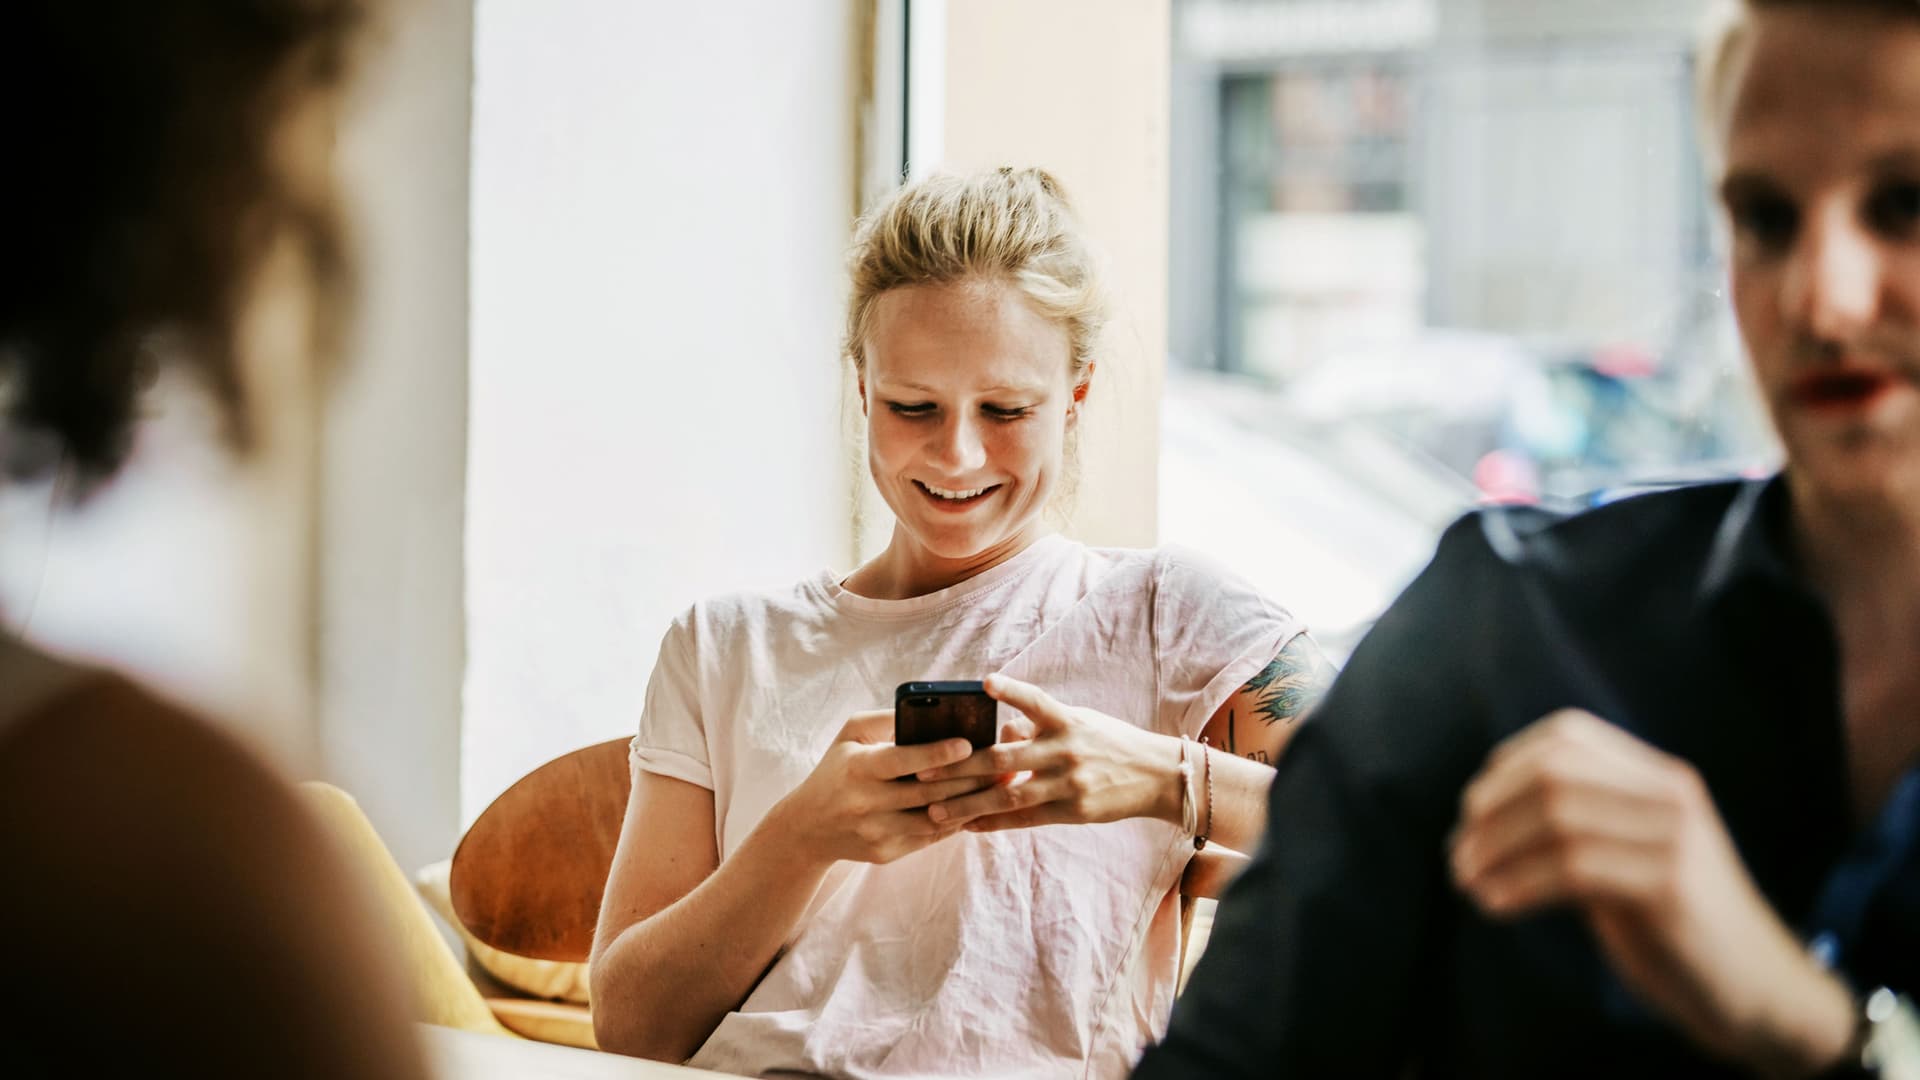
<point x="945" y="494"/>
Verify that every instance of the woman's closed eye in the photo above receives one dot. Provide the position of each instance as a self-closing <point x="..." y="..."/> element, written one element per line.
<point x="927" y="408"/>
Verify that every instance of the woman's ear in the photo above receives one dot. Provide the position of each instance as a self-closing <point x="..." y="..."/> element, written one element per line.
<point x="1080" y="392"/>
<point x="860" y="385"/>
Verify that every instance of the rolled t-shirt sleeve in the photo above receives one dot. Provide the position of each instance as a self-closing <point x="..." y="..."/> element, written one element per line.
<point x="673" y="737"/>
<point x="1212" y="631"/>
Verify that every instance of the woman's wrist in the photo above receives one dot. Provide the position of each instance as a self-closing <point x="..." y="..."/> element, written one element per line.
<point x="783" y="840"/>
<point x="1166" y="780"/>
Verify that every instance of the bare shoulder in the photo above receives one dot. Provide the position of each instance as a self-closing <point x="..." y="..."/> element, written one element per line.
<point x="175" y="880"/>
<point x="129" y="775"/>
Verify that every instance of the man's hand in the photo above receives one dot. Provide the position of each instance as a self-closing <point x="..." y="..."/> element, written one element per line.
<point x="1574" y="811"/>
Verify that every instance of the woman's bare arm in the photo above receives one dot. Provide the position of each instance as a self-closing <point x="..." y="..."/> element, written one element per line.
<point x="684" y="937"/>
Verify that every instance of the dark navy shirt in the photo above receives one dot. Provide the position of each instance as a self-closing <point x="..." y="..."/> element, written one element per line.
<point x="1345" y="950"/>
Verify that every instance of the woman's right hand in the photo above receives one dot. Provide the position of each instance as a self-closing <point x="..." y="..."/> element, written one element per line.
<point x="855" y="804"/>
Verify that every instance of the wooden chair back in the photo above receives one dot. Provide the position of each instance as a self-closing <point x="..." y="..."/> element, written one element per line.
<point x="528" y="876"/>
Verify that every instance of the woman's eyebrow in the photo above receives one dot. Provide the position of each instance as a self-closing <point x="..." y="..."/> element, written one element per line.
<point x="885" y="386"/>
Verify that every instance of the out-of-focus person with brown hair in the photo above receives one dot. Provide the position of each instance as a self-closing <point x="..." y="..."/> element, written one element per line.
<point x="1637" y="792"/>
<point x="169" y="905"/>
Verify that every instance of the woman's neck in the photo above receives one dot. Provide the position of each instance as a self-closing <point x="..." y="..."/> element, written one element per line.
<point x="1862" y="555"/>
<point x="906" y="569"/>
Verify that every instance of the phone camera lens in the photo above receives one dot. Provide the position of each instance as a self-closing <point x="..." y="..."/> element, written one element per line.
<point x="924" y="702"/>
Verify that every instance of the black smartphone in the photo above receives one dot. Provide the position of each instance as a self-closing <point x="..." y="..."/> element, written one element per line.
<point x="925" y="712"/>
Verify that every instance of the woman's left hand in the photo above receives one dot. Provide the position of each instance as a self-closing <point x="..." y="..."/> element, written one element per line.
<point x="1065" y="765"/>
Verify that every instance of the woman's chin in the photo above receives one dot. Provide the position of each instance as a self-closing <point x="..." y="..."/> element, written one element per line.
<point x="953" y="545"/>
<point x="955" y="549"/>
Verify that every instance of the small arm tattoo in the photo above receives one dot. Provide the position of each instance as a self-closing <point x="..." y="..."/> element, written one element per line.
<point x="1293" y="683"/>
<point x="1233" y="743"/>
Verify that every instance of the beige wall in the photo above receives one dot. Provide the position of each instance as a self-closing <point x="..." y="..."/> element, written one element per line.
<point x="1080" y="87"/>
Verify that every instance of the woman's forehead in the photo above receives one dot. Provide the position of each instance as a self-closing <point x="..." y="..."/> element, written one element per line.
<point x="984" y="335"/>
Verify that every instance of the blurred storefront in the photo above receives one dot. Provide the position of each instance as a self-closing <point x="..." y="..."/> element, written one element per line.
<point x="1475" y="232"/>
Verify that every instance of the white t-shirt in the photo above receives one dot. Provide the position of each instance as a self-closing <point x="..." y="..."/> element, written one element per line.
<point x="1038" y="952"/>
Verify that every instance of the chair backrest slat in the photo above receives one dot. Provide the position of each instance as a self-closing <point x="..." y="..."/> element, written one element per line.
<point x="528" y="876"/>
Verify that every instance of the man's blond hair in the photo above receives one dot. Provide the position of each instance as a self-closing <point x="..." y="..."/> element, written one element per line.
<point x="1725" y="40"/>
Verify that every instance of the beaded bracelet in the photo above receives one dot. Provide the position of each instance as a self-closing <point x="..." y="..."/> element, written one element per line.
<point x="1189" y="814"/>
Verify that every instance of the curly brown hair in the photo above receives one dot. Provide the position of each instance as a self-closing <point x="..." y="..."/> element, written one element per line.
<point x="143" y="186"/>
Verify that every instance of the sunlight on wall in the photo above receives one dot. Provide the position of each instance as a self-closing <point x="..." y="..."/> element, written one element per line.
<point x="659" y="220"/>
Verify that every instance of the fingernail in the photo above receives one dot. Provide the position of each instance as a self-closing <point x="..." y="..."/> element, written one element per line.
<point x="937" y="812"/>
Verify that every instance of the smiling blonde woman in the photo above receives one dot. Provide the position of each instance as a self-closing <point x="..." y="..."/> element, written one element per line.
<point x="795" y="893"/>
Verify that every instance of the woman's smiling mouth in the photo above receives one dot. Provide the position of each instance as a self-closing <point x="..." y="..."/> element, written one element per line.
<point x="955" y="499"/>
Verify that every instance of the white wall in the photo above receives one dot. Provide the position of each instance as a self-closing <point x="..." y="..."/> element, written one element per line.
<point x="661" y="202"/>
<point x="178" y="572"/>
<point x="389" y="657"/>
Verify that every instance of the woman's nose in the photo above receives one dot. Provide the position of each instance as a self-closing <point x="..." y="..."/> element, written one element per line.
<point x="960" y="447"/>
